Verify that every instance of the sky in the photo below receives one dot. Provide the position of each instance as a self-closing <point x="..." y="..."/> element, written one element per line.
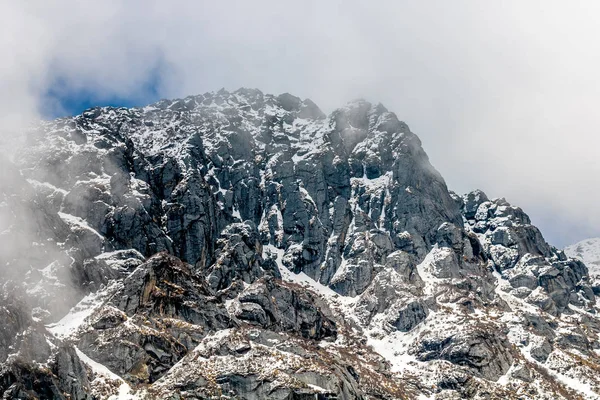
<point x="502" y="94"/>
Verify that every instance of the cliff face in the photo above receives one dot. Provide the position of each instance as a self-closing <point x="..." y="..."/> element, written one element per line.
<point x="248" y="246"/>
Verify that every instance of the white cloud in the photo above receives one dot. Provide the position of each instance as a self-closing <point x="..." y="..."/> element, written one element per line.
<point x="503" y="94"/>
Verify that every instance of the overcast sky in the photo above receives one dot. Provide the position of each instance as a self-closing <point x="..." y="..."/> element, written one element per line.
<point x="504" y="95"/>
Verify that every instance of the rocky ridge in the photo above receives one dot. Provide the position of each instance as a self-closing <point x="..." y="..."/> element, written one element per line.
<point x="244" y="245"/>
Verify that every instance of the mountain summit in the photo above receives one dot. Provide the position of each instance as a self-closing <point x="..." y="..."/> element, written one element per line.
<point x="247" y="246"/>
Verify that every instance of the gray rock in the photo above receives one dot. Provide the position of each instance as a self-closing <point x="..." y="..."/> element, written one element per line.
<point x="526" y="281"/>
<point x="540" y="351"/>
<point x="410" y="316"/>
<point x="522" y="373"/>
<point x="239" y="256"/>
<point x="162" y="294"/>
<point x="286" y="308"/>
<point x="39" y="365"/>
<point x="472" y="201"/>
<point x="485" y="352"/>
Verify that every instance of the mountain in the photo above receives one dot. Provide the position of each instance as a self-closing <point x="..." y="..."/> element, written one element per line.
<point x="244" y="245"/>
<point x="588" y="251"/>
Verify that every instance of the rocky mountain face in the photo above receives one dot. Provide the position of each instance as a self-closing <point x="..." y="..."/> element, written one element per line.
<point x="243" y="245"/>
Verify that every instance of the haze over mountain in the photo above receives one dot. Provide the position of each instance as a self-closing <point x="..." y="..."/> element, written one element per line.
<point x="501" y="94"/>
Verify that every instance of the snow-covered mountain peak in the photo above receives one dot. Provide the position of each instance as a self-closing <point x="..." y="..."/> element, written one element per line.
<point x="244" y="245"/>
<point x="588" y="251"/>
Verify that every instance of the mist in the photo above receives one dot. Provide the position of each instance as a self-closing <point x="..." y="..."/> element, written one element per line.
<point x="501" y="94"/>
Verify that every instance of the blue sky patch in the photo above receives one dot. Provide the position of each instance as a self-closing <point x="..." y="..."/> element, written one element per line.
<point x="63" y="100"/>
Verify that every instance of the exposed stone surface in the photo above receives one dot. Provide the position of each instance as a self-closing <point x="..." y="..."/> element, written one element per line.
<point x="162" y="311"/>
<point x="519" y="252"/>
<point x="284" y="308"/>
<point x="480" y="348"/>
<point x="35" y="364"/>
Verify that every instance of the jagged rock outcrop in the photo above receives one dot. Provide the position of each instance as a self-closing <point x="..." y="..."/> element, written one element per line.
<point x="280" y="307"/>
<point x="162" y="311"/>
<point x="34" y="364"/>
<point x="239" y="257"/>
<point x="480" y="348"/>
<point x="519" y="252"/>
